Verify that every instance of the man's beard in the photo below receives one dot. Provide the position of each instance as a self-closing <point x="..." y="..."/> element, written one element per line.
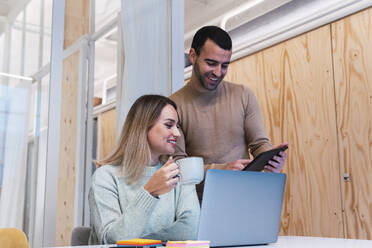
<point x="203" y="77"/>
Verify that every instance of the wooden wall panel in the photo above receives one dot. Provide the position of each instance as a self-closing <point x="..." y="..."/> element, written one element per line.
<point x="67" y="151"/>
<point x="76" y="20"/>
<point x="76" y="25"/>
<point x="107" y="132"/>
<point x="352" y="57"/>
<point x="294" y="86"/>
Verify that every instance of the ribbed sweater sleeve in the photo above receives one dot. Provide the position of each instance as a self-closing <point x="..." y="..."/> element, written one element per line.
<point x="110" y="221"/>
<point x="185" y="226"/>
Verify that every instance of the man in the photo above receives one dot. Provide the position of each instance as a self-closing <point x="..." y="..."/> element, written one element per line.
<point x="220" y="121"/>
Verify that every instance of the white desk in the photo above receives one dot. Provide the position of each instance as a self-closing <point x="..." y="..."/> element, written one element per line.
<point x="315" y="242"/>
<point x="295" y="242"/>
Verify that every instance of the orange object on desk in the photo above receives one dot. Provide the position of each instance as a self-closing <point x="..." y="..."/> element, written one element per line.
<point x="139" y="242"/>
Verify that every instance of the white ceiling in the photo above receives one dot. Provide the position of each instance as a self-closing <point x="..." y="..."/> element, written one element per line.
<point x="199" y="13"/>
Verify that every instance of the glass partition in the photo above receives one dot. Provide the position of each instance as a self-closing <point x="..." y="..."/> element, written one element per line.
<point x="105" y="66"/>
<point x="25" y="44"/>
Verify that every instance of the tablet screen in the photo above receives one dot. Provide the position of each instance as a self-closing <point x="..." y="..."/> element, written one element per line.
<point x="263" y="158"/>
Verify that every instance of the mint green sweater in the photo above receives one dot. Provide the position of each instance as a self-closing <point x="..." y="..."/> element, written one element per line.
<point x="120" y="211"/>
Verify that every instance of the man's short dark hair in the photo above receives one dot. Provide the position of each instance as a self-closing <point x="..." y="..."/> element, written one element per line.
<point x="214" y="33"/>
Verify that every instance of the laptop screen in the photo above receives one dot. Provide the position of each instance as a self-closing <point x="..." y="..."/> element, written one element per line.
<point x="241" y="208"/>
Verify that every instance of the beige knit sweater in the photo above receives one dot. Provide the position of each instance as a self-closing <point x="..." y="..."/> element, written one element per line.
<point x="221" y="125"/>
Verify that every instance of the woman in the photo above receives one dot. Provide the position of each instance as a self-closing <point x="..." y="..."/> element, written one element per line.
<point x="134" y="195"/>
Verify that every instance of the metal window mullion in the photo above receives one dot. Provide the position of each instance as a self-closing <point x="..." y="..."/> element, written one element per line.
<point x="5" y="82"/>
<point x="177" y="44"/>
<point x="54" y="117"/>
<point x="35" y="162"/>
<point x="81" y="120"/>
<point x="169" y="47"/>
<point x="89" y="132"/>
<point x="6" y="52"/>
<point x="23" y="45"/>
<point x="119" y="71"/>
<point x="36" y="131"/>
<point x="7" y="47"/>
<point x="41" y="35"/>
<point x="28" y="180"/>
<point x="31" y="165"/>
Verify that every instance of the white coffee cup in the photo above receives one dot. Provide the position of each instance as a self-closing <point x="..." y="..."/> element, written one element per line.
<point x="191" y="170"/>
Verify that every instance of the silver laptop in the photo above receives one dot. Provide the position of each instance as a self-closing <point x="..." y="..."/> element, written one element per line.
<point x="241" y="208"/>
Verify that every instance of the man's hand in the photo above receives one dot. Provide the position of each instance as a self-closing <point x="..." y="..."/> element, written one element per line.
<point x="238" y="165"/>
<point x="277" y="163"/>
<point x="164" y="180"/>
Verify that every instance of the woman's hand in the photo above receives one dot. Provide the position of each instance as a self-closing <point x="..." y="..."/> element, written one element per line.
<point x="164" y="180"/>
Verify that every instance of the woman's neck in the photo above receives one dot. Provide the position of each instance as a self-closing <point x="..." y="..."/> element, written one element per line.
<point x="154" y="159"/>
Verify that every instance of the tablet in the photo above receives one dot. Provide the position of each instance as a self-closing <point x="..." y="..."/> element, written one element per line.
<point x="263" y="158"/>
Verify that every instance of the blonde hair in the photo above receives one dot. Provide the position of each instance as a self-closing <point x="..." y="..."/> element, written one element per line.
<point x="132" y="150"/>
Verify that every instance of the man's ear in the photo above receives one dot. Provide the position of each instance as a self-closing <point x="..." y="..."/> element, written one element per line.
<point x="192" y="56"/>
